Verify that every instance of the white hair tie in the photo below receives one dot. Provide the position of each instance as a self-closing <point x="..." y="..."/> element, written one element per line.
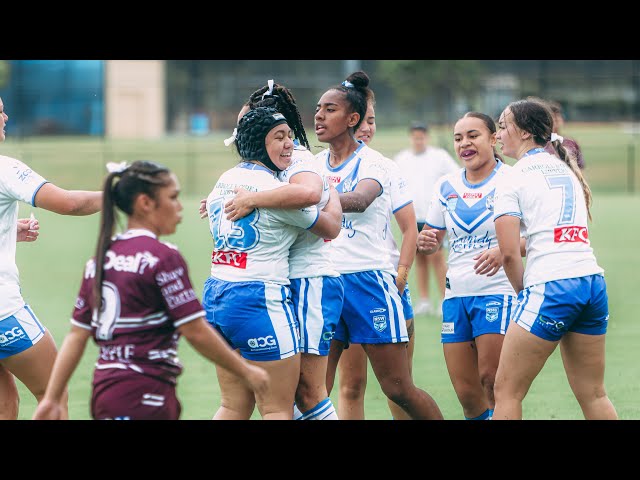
<point x="555" y="136"/>
<point x="113" y="167"/>
<point x="232" y="138"/>
<point x="270" y="91"/>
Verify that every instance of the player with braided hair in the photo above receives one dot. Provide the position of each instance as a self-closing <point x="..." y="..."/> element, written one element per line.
<point x="136" y="300"/>
<point x="254" y="266"/>
<point x="316" y="287"/>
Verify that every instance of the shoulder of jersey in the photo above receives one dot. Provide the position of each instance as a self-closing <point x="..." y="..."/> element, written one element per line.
<point x="172" y="246"/>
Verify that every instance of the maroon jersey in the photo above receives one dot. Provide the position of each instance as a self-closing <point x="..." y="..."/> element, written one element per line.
<point x="572" y="147"/>
<point x="146" y="295"/>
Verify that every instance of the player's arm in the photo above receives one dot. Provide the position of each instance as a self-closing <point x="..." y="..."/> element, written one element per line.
<point x="358" y="200"/>
<point x="329" y="221"/>
<point x="406" y="218"/>
<point x="510" y="243"/>
<point x="67" y="359"/>
<point x="208" y="342"/>
<point x="68" y="202"/>
<point x="303" y="190"/>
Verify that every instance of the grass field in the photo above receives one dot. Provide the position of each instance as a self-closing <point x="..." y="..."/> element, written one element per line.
<point x="51" y="270"/>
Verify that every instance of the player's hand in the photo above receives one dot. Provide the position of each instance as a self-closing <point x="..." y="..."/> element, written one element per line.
<point x="488" y="262"/>
<point x="258" y="380"/>
<point x="427" y="241"/>
<point x="239" y="206"/>
<point x="28" y="230"/>
<point x="203" y="208"/>
<point x="48" y="410"/>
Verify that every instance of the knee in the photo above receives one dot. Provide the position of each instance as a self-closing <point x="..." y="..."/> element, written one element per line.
<point x="487" y="380"/>
<point x="352" y="388"/>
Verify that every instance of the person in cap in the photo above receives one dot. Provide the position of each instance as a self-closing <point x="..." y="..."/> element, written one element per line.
<point x="248" y="295"/>
<point x="422" y="164"/>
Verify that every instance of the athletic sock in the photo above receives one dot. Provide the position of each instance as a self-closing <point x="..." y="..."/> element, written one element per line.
<point x="486" y="415"/>
<point x="322" y="411"/>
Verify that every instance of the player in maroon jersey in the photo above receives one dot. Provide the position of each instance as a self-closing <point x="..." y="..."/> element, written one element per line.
<point x="146" y="303"/>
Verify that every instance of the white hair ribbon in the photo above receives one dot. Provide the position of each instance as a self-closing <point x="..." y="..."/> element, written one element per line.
<point x="270" y="91"/>
<point x="232" y="138"/>
<point x="347" y="84"/>
<point x="113" y="167"/>
<point x="555" y="136"/>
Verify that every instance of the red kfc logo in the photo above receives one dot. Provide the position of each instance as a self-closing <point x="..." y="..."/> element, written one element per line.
<point x="233" y="259"/>
<point x="571" y="234"/>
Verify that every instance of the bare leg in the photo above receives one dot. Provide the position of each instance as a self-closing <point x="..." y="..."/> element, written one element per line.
<point x="9" y="396"/>
<point x="584" y="359"/>
<point x="352" y="372"/>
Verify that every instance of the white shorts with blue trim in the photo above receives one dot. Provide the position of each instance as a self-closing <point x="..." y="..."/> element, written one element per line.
<point x="318" y="303"/>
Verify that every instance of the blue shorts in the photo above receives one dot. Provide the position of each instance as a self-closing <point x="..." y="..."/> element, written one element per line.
<point x="407" y="308"/>
<point x="551" y="309"/>
<point x="317" y="302"/>
<point x="19" y="332"/>
<point x="465" y="318"/>
<point x="257" y="318"/>
<point x="372" y="311"/>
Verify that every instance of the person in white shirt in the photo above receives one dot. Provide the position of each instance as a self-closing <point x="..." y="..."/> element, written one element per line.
<point x="422" y="165"/>
<point x="27" y="348"/>
<point x="478" y="298"/>
<point x="247" y="298"/>
<point x="372" y="313"/>
<point x="352" y="366"/>
<point x="317" y="291"/>
<point x="562" y="293"/>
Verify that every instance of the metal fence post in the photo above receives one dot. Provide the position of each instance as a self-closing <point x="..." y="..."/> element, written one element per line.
<point x="631" y="170"/>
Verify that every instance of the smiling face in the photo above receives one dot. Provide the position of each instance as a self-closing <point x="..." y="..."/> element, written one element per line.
<point x="279" y="144"/>
<point x="367" y="128"/>
<point x="474" y="143"/>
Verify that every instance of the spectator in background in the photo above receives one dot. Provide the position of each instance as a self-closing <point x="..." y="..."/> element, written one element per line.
<point x="31" y="351"/>
<point x="422" y="165"/>
<point x="562" y="293"/>
<point x="569" y="144"/>
<point x="136" y="300"/>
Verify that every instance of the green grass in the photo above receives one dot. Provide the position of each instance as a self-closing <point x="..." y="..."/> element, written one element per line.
<point x="51" y="270"/>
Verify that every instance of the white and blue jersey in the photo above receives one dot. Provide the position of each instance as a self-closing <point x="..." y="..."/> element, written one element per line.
<point x="372" y="311"/>
<point x="18" y="183"/>
<point x="474" y="304"/>
<point x="466" y="211"/>
<point x="247" y="297"/>
<point x="564" y="287"/>
<point x="317" y="290"/>
<point x="543" y="192"/>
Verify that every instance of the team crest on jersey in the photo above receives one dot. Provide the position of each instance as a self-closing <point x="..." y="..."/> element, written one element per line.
<point x="380" y="322"/>
<point x="493" y="309"/>
<point x="489" y="202"/>
<point x="346" y="186"/>
<point x="452" y="201"/>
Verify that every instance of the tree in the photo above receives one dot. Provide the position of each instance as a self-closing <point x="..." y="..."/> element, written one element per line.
<point x="443" y="81"/>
